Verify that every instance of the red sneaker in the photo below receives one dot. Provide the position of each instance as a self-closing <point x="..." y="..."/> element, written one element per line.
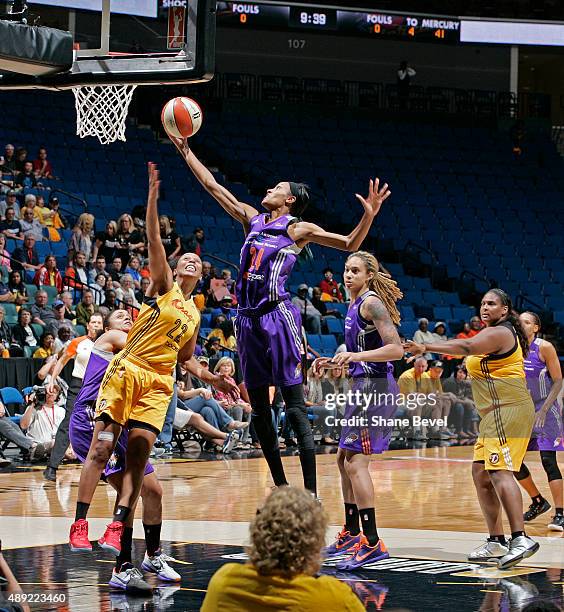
<point x="78" y="537"/>
<point x="111" y="540"/>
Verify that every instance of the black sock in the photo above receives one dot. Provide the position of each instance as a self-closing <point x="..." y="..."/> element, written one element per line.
<point x="307" y="459"/>
<point x="352" y="519"/>
<point x="81" y="510"/>
<point x="516" y="534"/>
<point x="559" y="510"/>
<point x="368" y="518"/>
<point x="121" y="514"/>
<point x="538" y="500"/>
<point x="152" y="538"/>
<point x="498" y="538"/>
<point x="126" y="544"/>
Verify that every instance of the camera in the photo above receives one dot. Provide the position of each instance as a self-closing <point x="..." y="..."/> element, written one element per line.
<point x="40" y="394"/>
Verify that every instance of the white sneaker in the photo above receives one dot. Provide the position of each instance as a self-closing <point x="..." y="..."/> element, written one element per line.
<point x="130" y="580"/>
<point x="520" y="548"/>
<point x="230" y="442"/>
<point x="159" y="565"/>
<point x="488" y="550"/>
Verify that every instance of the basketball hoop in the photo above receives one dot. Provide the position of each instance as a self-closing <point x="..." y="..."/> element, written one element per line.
<point x="101" y="111"/>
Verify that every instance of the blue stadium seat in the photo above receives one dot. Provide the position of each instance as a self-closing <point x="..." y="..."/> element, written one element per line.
<point x="334" y="325"/>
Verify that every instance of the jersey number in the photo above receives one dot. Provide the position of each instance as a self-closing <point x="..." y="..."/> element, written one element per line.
<point x="177" y="325"/>
<point x="256" y="258"/>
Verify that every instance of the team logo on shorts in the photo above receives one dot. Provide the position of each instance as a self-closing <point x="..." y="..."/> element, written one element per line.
<point x="112" y="462"/>
<point x="298" y="370"/>
<point x="494" y="458"/>
<point x="351" y="439"/>
<point x="103" y="404"/>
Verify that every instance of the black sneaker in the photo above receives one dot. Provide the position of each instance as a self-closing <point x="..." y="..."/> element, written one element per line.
<point x="535" y="510"/>
<point x="557" y="523"/>
<point x="50" y="473"/>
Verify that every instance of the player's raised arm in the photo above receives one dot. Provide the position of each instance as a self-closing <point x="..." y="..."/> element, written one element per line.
<point x="161" y="274"/>
<point x="303" y="232"/>
<point x="238" y="210"/>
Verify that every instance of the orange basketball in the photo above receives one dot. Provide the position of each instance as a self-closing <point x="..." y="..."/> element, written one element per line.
<point x="181" y="117"/>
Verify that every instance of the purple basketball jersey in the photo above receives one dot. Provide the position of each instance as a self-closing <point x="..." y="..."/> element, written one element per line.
<point x="539" y="383"/>
<point x="267" y="258"/>
<point x="361" y="335"/>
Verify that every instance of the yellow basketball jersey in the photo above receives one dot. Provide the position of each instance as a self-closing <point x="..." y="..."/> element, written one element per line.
<point x="499" y="380"/>
<point x="163" y="327"/>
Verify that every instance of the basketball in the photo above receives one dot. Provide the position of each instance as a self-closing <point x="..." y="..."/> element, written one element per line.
<point x="181" y="117"/>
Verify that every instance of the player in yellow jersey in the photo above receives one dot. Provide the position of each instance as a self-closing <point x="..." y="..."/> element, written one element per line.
<point x="495" y="365"/>
<point x="138" y="383"/>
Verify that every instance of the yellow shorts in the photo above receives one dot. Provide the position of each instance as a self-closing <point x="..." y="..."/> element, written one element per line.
<point x="130" y="392"/>
<point x="504" y="436"/>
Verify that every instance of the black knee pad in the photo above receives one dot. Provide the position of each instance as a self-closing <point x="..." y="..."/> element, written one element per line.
<point x="522" y="473"/>
<point x="550" y="465"/>
<point x="296" y="413"/>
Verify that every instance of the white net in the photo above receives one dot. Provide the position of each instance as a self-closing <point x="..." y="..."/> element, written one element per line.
<point x="101" y="111"/>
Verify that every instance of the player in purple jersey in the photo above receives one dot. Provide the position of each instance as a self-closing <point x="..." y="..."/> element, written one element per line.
<point x="372" y="341"/>
<point x="267" y="324"/>
<point x="544" y="380"/>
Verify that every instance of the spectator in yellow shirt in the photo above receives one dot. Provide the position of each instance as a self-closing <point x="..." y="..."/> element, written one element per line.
<point x="287" y="536"/>
<point x="46" y="346"/>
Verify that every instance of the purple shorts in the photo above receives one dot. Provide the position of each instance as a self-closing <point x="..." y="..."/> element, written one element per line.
<point x="550" y="437"/>
<point x="270" y="346"/>
<point x="369" y="415"/>
<point x="81" y="429"/>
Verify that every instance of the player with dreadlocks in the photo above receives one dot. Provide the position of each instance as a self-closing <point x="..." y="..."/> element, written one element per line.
<point x="372" y="341"/>
<point x="268" y="324"/>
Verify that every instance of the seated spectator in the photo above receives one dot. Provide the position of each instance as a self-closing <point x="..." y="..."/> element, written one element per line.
<point x="31" y="225"/>
<point x="106" y="242"/>
<point x="110" y="303"/>
<point x="26" y="179"/>
<point x="70" y="312"/>
<point x="99" y="267"/>
<point x="330" y="287"/>
<point x="11" y="201"/>
<point x="48" y="275"/>
<point x="140" y="293"/>
<point x="8" y="162"/>
<point x="130" y="241"/>
<point x="59" y="220"/>
<point x="444" y="401"/>
<point x="81" y="241"/>
<point x="134" y="270"/>
<point x="225" y="332"/>
<point x="170" y="239"/>
<point x="212" y="347"/>
<point x="287" y="538"/>
<point x="41" y="419"/>
<point x="14" y="434"/>
<point x="229" y="282"/>
<point x="10" y="226"/>
<point x="233" y="405"/>
<point x="312" y="317"/>
<point x="40" y="311"/>
<point x="192" y="243"/>
<point x="203" y="286"/>
<point x="321" y="305"/>
<point x="125" y="292"/>
<point x="30" y="202"/>
<point x="86" y="308"/>
<point x="45" y="216"/>
<point x="46" y="346"/>
<point x="424" y="335"/>
<point x="464" y="416"/>
<point x="42" y="166"/>
<point x="59" y="320"/>
<point x="18" y="288"/>
<point x="98" y="288"/>
<point x="21" y="159"/>
<point x="25" y="257"/>
<point x="227" y="307"/>
<point x="5" y="334"/>
<point x="115" y="271"/>
<point x="465" y="333"/>
<point x="77" y="271"/>
<point x="315" y="403"/>
<point x="23" y="333"/>
<point x="64" y="336"/>
<point x="5" y="294"/>
<point x="476" y="326"/>
<point x="440" y="331"/>
<point x="5" y="263"/>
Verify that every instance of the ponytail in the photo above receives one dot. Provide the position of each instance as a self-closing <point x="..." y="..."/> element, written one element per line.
<point x="385" y="287"/>
<point x="513" y="318"/>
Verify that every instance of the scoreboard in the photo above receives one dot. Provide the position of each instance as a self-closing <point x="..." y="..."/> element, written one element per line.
<point x="376" y="24"/>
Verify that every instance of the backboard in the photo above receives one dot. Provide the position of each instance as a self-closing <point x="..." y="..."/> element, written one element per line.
<point x="138" y="42"/>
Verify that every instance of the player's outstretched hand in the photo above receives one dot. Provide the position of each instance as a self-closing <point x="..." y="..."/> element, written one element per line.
<point x="226" y="386"/>
<point x="154" y="181"/>
<point x="342" y="359"/>
<point x="375" y="198"/>
<point x="180" y="143"/>
<point x="414" y="348"/>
